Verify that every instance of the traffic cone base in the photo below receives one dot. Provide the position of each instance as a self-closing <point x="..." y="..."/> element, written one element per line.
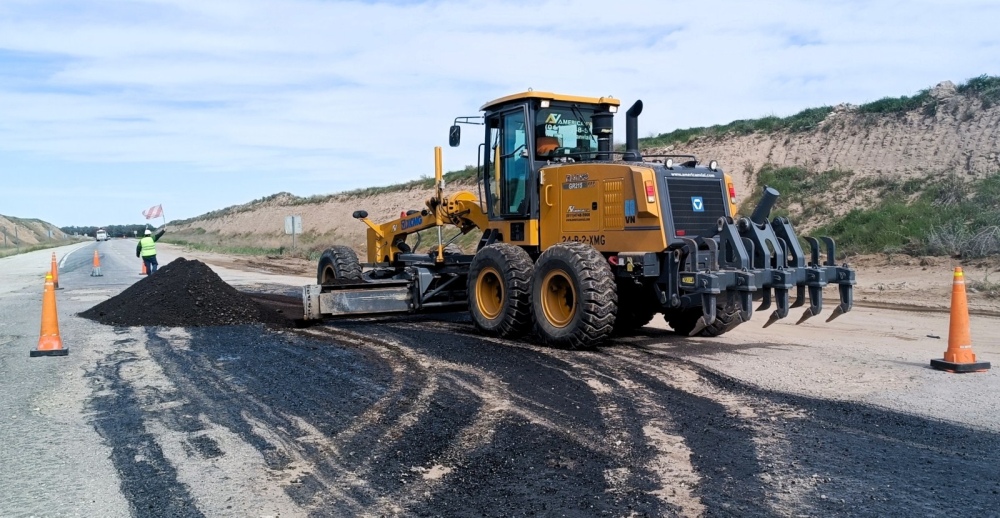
<point x="52" y="352"/>
<point x="959" y="356"/>
<point x="943" y="365"/>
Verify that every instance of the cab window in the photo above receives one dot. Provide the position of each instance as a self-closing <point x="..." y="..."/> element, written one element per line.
<point x="564" y="131"/>
<point x="508" y="184"/>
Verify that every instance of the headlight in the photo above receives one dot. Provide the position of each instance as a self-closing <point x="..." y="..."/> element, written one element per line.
<point x="713" y="165"/>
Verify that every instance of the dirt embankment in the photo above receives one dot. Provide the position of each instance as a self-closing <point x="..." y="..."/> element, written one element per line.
<point x="324" y="223"/>
<point x="27" y="232"/>
<point x="960" y="134"/>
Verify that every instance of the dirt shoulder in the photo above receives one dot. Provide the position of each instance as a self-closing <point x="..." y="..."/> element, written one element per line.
<point x="887" y="280"/>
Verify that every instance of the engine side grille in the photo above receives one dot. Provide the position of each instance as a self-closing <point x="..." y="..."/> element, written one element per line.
<point x="686" y="196"/>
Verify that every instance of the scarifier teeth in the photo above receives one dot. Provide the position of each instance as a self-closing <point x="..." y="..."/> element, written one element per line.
<point x="701" y="324"/>
<point x="839" y="310"/>
<point x="772" y="319"/>
<point x="806" y="316"/>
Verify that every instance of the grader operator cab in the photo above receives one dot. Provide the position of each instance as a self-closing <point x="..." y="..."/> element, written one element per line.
<point x="579" y="240"/>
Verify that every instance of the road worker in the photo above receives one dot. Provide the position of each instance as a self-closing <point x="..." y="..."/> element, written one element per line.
<point x="146" y="249"/>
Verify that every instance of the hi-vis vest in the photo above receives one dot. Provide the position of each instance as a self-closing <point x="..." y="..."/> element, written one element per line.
<point x="148" y="246"/>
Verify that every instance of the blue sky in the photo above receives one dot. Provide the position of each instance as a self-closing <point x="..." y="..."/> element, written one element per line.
<point x="108" y="107"/>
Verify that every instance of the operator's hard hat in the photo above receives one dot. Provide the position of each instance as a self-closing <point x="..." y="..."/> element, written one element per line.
<point x="148" y="232"/>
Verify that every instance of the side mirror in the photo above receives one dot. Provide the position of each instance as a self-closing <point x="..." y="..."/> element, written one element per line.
<point x="454" y="136"/>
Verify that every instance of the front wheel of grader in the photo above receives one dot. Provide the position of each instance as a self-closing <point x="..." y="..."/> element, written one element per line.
<point x="499" y="288"/>
<point x="574" y="296"/>
<point x="338" y="264"/>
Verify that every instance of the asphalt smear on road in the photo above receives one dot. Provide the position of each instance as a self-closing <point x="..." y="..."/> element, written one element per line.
<point x="148" y="480"/>
<point x="184" y="293"/>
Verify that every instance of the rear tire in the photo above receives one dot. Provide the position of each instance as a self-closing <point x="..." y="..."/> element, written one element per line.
<point x="630" y="318"/>
<point x="338" y="264"/>
<point x="499" y="288"/>
<point x="574" y="296"/>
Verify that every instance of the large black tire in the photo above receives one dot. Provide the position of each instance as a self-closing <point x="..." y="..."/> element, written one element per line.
<point x="499" y="288"/>
<point x="574" y="296"/>
<point x="631" y="317"/>
<point x="449" y="249"/>
<point x="683" y="322"/>
<point x="338" y="264"/>
<point x="636" y="308"/>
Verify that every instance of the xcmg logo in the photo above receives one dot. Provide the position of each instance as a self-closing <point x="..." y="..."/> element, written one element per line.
<point x="410" y="223"/>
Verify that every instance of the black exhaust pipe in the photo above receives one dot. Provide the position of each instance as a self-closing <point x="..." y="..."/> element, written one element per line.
<point x="604" y="127"/>
<point x="764" y="206"/>
<point x="632" y="133"/>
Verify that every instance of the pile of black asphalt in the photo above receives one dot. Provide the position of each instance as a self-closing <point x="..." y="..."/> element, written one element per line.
<point x="183" y="293"/>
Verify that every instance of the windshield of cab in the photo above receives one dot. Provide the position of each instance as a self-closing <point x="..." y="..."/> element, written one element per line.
<point x="564" y="131"/>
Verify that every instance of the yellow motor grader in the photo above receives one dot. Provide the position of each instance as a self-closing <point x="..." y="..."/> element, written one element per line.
<point x="578" y="240"/>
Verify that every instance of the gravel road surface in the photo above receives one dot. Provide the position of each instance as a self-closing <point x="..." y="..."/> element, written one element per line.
<point x="420" y="416"/>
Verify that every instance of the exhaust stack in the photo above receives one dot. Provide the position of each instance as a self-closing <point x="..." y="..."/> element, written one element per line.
<point x="632" y="133"/>
<point x="764" y="206"/>
<point x="604" y="131"/>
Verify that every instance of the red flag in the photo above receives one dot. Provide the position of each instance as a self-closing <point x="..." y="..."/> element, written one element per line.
<point x="154" y="212"/>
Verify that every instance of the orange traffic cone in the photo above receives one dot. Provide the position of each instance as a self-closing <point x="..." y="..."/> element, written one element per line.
<point x="54" y="270"/>
<point x="959" y="356"/>
<point x="49" y="342"/>
<point x="96" y="272"/>
<point x="144" y="272"/>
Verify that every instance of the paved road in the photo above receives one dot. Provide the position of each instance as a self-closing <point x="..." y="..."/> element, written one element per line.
<point x="54" y="461"/>
<point x="419" y="416"/>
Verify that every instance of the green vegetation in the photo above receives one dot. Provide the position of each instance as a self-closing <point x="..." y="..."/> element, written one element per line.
<point x="896" y="105"/>
<point x="797" y="186"/>
<point x="948" y="217"/>
<point x="307" y="246"/>
<point x="805" y="120"/>
<point x="986" y="88"/>
<point x="940" y="214"/>
<point x="221" y="249"/>
<point x="113" y="230"/>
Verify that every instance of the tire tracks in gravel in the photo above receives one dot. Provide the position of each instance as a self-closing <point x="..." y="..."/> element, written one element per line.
<point x="720" y="446"/>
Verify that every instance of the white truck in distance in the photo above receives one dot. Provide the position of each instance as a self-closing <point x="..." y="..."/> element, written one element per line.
<point x="101" y="234"/>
